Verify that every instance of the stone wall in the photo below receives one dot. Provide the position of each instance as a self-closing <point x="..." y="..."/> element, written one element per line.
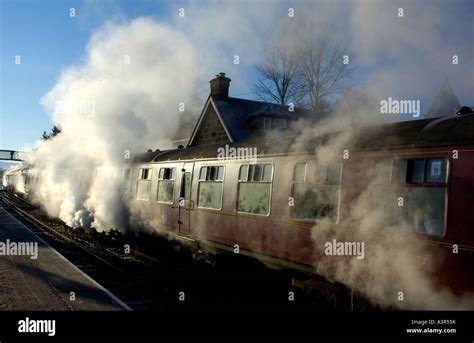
<point x="211" y="130"/>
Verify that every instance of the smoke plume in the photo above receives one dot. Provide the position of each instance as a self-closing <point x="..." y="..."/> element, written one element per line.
<point x="122" y="98"/>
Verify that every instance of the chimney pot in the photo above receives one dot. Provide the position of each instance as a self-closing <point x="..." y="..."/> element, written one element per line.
<point x="220" y="86"/>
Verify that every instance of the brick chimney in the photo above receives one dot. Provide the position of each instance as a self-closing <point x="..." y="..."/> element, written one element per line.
<point x="220" y="86"/>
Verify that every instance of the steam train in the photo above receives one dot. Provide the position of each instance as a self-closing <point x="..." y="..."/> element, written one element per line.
<point x="270" y="209"/>
<point x="283" y="207"/>
<point x="20" y="179"/>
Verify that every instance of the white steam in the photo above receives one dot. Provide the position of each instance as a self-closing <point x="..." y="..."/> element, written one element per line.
<point x="123" y="98"/>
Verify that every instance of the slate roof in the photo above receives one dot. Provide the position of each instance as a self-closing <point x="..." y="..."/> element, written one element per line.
<point x="236" y="113"/>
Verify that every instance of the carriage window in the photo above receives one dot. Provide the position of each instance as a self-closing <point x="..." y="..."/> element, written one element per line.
<point x="212" y="173"/>
<point x="333" y="174"/>
<point x="255" y="172"/>
<point x="419" y="171"/>
<point x="210" y="187"/>
<point x="144" y="184"/>
<point x="220" y="174"/>
<point x="145" y="174"/>
<point x="399" y="171"/>
<point x="166" y="179"/>
<point x="318" y="198"/>
<point x="254" y="188"/>
<point x="202" y="174"/>
<point x="423" y="190"/>
<point x="267" y="172"/>
<point x="415" y="171"/>
<point x="436" y="171"/>
<point x="167" y="174"/>
<point x="243" y="173"/>
<point x="185" y="191"/>
<point x="299" y="174"/>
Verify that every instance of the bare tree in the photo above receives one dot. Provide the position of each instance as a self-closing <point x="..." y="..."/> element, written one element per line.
<point x="323" y="68"/>
<point x="304" y="63"/>
<point x="56" y="130"/>
<point x="277" y="74"/>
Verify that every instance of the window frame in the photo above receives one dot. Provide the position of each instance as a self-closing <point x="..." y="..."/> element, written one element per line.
<point x="140" y="174"/>
<point x="183" y="181"/>
<point x="425" y="166"/>
<point x="267" y="123"/>
<point x="424" y="184"/>
<point x="314" y="183"/>
<point x="272" y="164"/>
<point x="305" y="172"/>
<point x="199" y="180"/>
<point x="160" y="178"/>
<point x="141" y="179"/>
<point x="281" y="123"/>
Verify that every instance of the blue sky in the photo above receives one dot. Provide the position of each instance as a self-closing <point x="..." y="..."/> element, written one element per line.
<point x="49" y="40"/>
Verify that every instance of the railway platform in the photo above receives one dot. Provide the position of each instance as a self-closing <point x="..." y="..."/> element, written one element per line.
<point x="34" y="276"/>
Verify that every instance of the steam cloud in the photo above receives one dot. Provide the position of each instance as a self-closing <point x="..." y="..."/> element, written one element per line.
<point x="124" y="97"/>
<point x="107" y="107"/>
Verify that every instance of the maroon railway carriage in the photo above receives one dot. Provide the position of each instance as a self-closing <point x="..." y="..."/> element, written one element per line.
<point x="271" y="209"/>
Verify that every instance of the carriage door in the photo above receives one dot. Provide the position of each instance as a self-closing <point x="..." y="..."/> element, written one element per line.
<point x="185" y="204"/>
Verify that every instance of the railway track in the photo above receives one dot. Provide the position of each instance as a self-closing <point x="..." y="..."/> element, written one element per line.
<point x="156" y="283"/>
<point x="131" y="277"/>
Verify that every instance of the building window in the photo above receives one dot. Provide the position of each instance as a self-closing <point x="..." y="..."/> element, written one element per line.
<point x="281" y="123"/>
<point x="267" y="123"/>
<point x="144" y="184"/>
<point x="276" y="123"/>
<point x="166" y="179"/>
<point x="210" y="187"/>
<point x="254" y="188"/>
<point x="315" y="191"/>
<point x="421" y="183"/>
